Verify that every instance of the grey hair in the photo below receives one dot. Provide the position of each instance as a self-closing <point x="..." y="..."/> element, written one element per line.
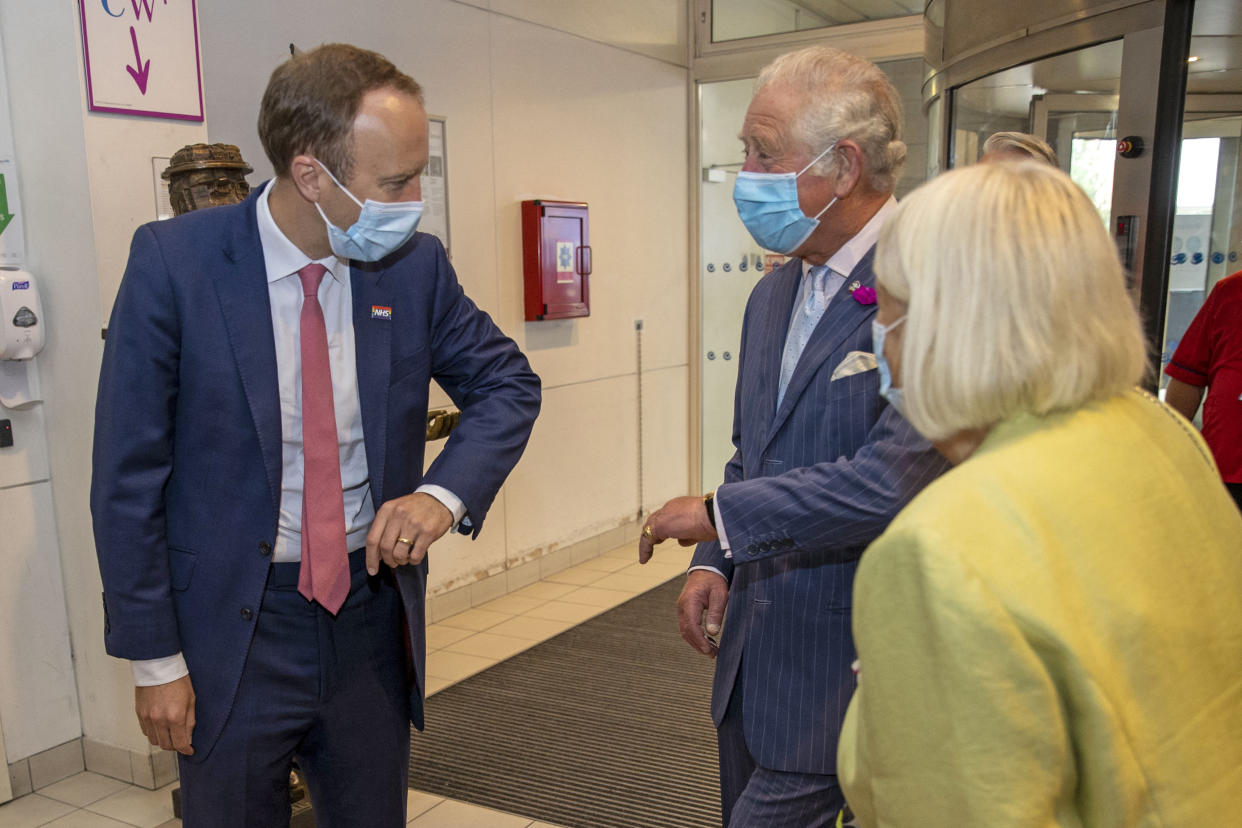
<point x="1021" y="143"/>
<point x="845" y="97"/>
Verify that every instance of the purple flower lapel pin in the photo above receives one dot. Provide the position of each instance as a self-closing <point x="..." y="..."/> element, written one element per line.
<point x="862" y="295"/>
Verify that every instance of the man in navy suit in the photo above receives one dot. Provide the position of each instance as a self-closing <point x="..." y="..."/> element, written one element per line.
<point x="822" y="462"/>
<point x="261" y="413"/>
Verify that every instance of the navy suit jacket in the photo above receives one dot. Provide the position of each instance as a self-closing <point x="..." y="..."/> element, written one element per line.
<point x="810" y="485"/>
<point x="187" y="457"/>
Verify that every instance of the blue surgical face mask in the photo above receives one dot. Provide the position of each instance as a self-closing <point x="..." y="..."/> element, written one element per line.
<point x="380" y="229"/>
<point x="768" y="205"/>
<point x="887" y="391"/>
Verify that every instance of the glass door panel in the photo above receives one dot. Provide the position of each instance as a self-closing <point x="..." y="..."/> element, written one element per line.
<point x="730" y="263"/>
<point x="1207" y="227"/>
<point x="1069" y="100"/>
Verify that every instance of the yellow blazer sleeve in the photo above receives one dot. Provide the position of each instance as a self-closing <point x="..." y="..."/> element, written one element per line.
<point x="956" y="720"/>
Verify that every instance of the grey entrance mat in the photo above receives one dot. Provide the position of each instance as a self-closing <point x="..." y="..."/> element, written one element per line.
<point x="606" y="725"/>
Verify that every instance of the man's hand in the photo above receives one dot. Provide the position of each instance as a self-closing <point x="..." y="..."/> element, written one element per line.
<point x="683" y="518"/>
<point x="705" y="594"/>
<point x="166" y="714"/>
<point x="404" y="528"/>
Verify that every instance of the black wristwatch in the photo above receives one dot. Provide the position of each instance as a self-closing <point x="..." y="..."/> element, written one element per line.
<point x="709" y="500"/>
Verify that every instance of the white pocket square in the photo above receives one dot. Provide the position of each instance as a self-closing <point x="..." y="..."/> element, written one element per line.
<point x="855" y="362"/>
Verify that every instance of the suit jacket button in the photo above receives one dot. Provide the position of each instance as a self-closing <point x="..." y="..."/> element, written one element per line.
<point x="765" y="547"/>
<point x="265" y="548"/>
<point x="246" y="614"/>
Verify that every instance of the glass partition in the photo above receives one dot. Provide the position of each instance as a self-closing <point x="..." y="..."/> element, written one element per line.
<point x="739" y="19"/>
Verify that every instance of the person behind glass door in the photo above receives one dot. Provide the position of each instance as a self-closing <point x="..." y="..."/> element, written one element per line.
<point x="1050" y="633"/>
<point x="1017" y="146"/>
<point x="1209" y="356"/>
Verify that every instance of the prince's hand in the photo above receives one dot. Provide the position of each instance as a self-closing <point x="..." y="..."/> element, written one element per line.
<point x="685" y="518"/>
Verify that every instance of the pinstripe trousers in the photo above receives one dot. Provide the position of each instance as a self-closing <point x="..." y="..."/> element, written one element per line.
<point x="752" y="796"/>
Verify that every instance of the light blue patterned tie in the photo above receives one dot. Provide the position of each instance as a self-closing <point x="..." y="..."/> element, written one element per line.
<point x="802" y="325"/>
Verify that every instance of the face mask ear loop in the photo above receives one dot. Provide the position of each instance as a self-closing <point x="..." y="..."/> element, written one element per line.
<point x="814" y="160"/>
<point x="891" y="325"/>
<point x="341" y="186"/>
<point x="826" y="206"/>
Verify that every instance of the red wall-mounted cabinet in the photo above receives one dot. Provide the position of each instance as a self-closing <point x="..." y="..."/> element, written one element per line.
<point x="556" y="244"/>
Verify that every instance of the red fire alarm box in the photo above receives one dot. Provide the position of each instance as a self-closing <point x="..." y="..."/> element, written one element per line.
<point x="556" y="247"/>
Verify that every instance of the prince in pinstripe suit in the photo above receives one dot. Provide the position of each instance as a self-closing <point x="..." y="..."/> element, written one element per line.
<point x="822" y="462"/>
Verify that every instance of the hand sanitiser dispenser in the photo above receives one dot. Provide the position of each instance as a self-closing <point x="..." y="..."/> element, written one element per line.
<point x="21" y="337"/>
<point x="21" y="315"/>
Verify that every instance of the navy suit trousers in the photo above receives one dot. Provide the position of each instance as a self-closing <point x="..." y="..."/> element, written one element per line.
<point x="752" y="796"/>
<point x="327" y="690"/>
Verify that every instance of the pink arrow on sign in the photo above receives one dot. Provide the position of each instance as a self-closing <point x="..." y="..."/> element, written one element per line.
<point x="139" y="75"/>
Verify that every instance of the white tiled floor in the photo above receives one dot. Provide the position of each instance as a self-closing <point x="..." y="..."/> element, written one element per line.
<point x="457" y="647"/>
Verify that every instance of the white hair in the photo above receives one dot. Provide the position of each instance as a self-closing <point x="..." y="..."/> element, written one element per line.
<point x="1016" y="301"/>
<point x="1020" y="143"/>
<point x="845" y="97"/>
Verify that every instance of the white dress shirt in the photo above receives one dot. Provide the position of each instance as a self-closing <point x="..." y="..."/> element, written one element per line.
<point x="841" y="265"/>
<point x="283" y="260"/>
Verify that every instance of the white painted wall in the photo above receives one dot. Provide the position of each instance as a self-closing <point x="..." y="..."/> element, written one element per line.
<point x="86" y="181"/>
<point x="598" y="115"/>
<point x="38" y="696"/>
<point x="656" y="28"/>
<point x="531" y="112"/>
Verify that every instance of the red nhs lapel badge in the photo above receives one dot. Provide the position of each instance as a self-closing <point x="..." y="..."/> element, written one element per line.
<point x="381" y="312"/>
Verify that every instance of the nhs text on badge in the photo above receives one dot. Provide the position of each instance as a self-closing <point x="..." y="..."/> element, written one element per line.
<point x="381" y="312"/>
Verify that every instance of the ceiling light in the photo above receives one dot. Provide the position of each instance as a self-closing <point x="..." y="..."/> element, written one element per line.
<point x="1192" y="59"/>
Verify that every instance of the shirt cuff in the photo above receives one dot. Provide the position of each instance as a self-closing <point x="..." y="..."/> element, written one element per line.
<point x="1187" y="375"/>
<point x="451" y="501"/>
<point x="707" y="569"/>
<point x="153" y="671"/>
<point x="720" y="527"/>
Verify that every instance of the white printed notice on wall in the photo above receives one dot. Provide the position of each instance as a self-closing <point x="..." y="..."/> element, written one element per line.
<point x="12" y="247"/>
<point x="142" y="58"/>
<point x="434" y="183"/>
<point x="12" y="244"/>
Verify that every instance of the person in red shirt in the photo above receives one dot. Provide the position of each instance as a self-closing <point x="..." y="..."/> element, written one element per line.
<point x="1210" y="356"/>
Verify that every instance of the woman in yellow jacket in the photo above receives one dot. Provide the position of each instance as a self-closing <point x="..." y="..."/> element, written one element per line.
<point x="1051" y="633"/>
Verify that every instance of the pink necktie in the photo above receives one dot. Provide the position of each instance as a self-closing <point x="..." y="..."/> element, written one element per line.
<point x="324" y="575"/>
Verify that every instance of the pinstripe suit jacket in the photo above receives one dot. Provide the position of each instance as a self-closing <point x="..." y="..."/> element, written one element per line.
<point x="810" y="485"/>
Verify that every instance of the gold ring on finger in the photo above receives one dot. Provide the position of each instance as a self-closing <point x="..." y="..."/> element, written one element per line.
<point x="648" y="534"/>
<point x="406" y="541"/>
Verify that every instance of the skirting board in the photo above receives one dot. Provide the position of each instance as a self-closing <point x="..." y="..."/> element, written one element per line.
<point x="444" y="604"/>
<point x="149" y="770"/>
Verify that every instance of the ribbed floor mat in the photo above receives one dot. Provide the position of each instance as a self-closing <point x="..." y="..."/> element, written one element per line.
<point x="604" y="726"/>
